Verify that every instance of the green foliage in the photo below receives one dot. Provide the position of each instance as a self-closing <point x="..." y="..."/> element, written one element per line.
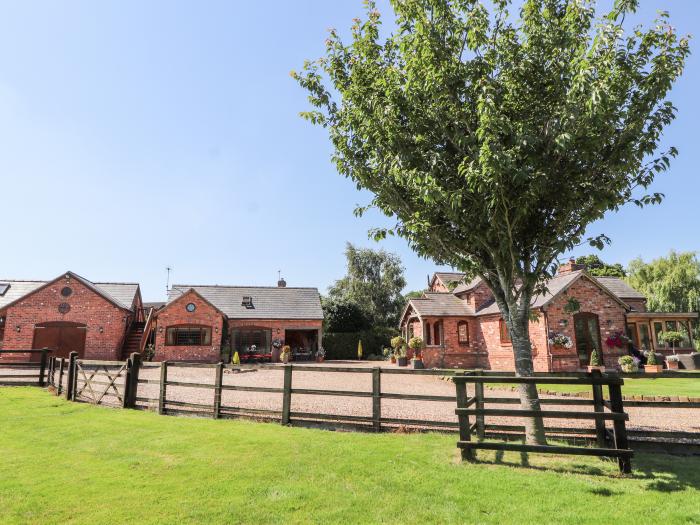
<point x="415" y="343"/>
<point x="373" y="283"/>
<point x="671" y="284"/>
<point x="596" y="267"/>
<point x="415" y="294"/>
<point x="344" y="345"/>
<point x="651" y="357"/>
<point x="627" y="364"/>
<point x="572" y="306"/>
<point x="494" y="140"/>
<point x="149" y="352"/>
<point x="236" y="359"/>
<point x="396" y="341"/>
<point x="671" y="337"/>
<point x="342" y="315"/>
<point x="595" y="358"/>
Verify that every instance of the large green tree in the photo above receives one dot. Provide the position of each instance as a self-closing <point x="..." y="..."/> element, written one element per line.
<point x="495" y="138"/>
<point x="595" y="266"/>
<point x="671" y="284"/>
<point x="373" y="283"/>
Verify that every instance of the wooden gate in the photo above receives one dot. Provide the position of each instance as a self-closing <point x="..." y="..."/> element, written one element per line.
<point x="97" y="382"/>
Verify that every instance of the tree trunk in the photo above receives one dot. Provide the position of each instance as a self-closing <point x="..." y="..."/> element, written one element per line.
<point x="522" y="353"/>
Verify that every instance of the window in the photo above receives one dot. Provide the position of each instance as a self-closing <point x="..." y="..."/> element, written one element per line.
<point x="463" y="333"/>
<point x="188" y="336"/>
<point x="247" y="302"/>
<point x="505" y="335"/>
<point x="428" y="334"/>
<point x="437" y="339"/>
<point x="243" y="340"/>
<point x="672" y="326"/>
<point x="3" y="288"/>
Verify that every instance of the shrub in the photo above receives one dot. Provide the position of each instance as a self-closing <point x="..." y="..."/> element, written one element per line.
<point x="415" y="343"/>
<point x="396" y="341"/>
<point x="671" y="337"/>
<point x="236" y="359"/>
<point x="343" y="345"/>
<point x="628" y="364"/>
<point x="595" y="358"/>
<point x="651" y="358"/>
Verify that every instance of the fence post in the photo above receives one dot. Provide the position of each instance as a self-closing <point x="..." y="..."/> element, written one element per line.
<point x="377" y="398"/>
<point x="218" y="380"/>
<point x="619" y="429"/>
<point x="42" y="366"/>
<point x="163" y="384"/>
<point x="49" y="373"/>
<point x="59" y="388"/>
<point x="70" y="381"/>
<point x="480" y="419"/>
<point x="463" y="419"/>
<point x="598" y="406"/>
<point x="287" y="394"/>
<point x="135" y="361"/>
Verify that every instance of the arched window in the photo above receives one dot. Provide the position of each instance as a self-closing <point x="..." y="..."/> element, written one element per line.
<point x="428" y="340"/>
<point x="505" y="335"/>
<point x="463" y="333"/>
<point x="436" y="334"/>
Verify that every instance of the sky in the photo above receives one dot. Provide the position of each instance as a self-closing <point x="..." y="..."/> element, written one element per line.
<point x="136" y="136"/>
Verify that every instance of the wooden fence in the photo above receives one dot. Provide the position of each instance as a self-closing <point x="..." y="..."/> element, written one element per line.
<point x="36" y="371"/>
<point x="596" y="380"/>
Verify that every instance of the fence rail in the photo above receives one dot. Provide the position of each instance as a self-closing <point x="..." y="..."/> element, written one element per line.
<point x="38" y="377"/>
<point x="596" y="380"/>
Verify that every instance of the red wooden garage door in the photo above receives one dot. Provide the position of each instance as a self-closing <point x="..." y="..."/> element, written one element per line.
<point x="61" y="337"/>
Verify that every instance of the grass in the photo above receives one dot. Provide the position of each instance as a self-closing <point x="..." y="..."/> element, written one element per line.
<point x="662" y="386"/>
<point x="64" y="462"/>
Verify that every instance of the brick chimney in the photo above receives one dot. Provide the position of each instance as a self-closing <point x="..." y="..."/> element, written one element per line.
<point x="281" y="283"/>
<point x="570" y="266"/>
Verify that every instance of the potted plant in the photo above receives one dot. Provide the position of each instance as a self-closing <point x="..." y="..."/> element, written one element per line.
<point x="671" y="337"/>
<point x="560" y="340"/>
<point x="320" y="355"/>
<point x="236" y="359"/>
<point x="596" y="362"/>
<point x="286" y="352"/>
<point x="672" y="362"/>
<point x="149" y="352"/>
<point x="652" y="367"/>
<point x="389" y="355"/>
<point x="401" y="356"/>
<point x="416" y="344"/>
<point x="628" y="364"/>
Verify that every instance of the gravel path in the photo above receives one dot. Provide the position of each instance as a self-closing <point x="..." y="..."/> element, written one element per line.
<point x="641" y="418"/>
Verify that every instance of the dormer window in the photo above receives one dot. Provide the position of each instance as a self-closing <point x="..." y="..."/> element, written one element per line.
<point x="3" y="288"/>
<point x="247" y="302"/>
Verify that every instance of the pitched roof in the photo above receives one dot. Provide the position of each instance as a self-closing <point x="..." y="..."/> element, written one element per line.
<point x="449" y="277"/>
<point x="436" y="304"/>
<point x="465" y="287"/>
<point x="121" y="294"/>
<point x="620" y="288"/>
<point x="269" y="302"/>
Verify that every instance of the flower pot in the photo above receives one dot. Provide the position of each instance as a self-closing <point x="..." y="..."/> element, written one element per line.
<point x="392" y="359"/>
<point x="275" y="355"/>
<point x="653" y="369"/>
<point x="319" y="359"/>
<point x="591" y="368"/>
<point x="403" y="361"/>
<point x="418" y="364"/>
<point x="672" y="365"/>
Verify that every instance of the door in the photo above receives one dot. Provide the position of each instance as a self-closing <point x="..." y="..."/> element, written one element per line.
<point x="633" y="335"/>
<point x="587" y="336"/>
<point x="60" y="337"/>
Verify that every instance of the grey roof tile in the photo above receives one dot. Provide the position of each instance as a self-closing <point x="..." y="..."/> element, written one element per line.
<point x="268" y="302"/>
<point x="620" y="288"/>
<point x="440" y="304"/>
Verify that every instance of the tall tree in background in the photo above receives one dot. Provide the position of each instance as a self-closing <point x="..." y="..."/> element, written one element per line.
<point x="374" y="282"/>
<point x="495" y="140"/>
<point x="671" y="284"/>
<point x="596" y="267"/>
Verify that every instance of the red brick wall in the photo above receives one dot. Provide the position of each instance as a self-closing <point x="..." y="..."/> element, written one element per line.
<point x="500" y="355"/>
<point x="175" y="314"/>
<point x="455" y="354"/>
<point x="86" y="307"/>
<point x="594" y="300"/>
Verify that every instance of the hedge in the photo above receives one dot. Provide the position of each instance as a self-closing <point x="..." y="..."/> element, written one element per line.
<point x="343" y="345"/>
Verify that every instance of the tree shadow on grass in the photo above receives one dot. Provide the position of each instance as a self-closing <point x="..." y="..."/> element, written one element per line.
<point x="665" y="472"/>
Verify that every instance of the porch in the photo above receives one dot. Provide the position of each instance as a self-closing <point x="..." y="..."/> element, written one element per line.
<point x="644" y="329"/>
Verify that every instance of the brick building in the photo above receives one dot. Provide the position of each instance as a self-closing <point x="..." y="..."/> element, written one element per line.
<point x="68" y="313"/>
<point x="461" y="325"/>
<point x="254" y="321"/>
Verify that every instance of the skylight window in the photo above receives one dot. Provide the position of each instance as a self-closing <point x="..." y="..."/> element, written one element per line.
<point x="247" y="302"/>
<point x="3" y="288"/>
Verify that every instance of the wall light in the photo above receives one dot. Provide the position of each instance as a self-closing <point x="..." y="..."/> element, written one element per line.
<point x="101" y="329"/>
<point x="609" y="322"/>
<point x="563" y="322"/>
<point x="18" y="328"/>
<point x="160" y="329"/>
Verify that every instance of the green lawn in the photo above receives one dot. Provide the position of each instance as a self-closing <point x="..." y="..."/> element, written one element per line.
<point x="663" y="386"/>
<point x="64" y="462"/>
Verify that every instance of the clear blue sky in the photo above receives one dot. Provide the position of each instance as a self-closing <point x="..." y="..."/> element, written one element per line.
<point x="136" y="135"/>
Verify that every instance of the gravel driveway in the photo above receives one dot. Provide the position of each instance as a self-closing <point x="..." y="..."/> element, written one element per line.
<point x="641" y="418"/>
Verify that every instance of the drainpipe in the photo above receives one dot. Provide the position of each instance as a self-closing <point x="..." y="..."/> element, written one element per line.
<point x="546" y="338"/>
